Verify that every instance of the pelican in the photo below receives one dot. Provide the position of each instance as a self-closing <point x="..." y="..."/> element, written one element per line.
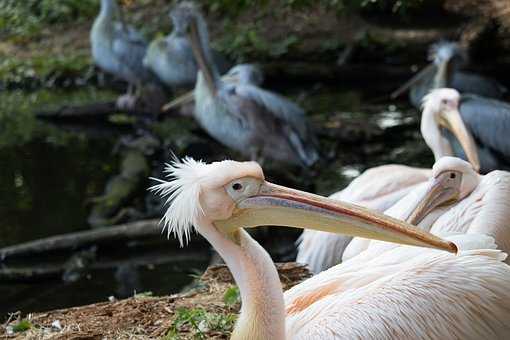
<point x="171" y="58"/>
<point x="381" y="187"/>
<point x="429" y="294"/>
<point x="478" y="204"/>
<point x="239" y="74"/>
<point x="485" y="120"/>
<point x="119" y="49"/>
<point x="242" y="116"/>
<point x="445" y="71"/>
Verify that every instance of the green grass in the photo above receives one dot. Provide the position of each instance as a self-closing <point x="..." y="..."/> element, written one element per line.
<point x="199" y="322"/>
<point x="22" y="326"/>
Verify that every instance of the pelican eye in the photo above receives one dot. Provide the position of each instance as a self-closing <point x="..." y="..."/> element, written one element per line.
<point x="452" y="175"/>
<point x="237" y="186"/>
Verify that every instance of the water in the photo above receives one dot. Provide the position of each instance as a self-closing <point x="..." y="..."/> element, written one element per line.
<point x="49" y="175"/>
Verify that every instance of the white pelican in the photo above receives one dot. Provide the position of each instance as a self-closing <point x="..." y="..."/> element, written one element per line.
<point x="430" y="294"/>
<point x="479" y="204"/>
<point x="381" y="187"/>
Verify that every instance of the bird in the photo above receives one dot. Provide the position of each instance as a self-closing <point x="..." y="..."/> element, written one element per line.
<point x="485" y="120"/>
<point x="119" y="49"/>
<point x="448" y="59"/>
<point x="478" y="204"/>
<point x="381" y="187"/>
<point x="171" y="58"/>
<point x="238" y="74"/>
<point x="245" y="117"/>
<point x="407" y="292"/>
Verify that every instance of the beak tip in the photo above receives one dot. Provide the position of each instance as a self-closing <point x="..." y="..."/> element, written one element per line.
<point x="453" y="248"/>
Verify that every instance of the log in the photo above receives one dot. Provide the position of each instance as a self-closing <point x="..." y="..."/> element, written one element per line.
<point x="90" y="111"/>
<point x="123" y="232"/>
<point x="40" y="272"/>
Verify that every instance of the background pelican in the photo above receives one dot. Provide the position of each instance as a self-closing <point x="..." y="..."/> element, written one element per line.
<point x="405" y="293"/>
<point x="119" y="49"/>
<point x="448" y="58"/>
<point x="485" y="120"/>
<point x="171" y="58"/>
<point x="240" y="116"/>
<point x="381" y="187"/>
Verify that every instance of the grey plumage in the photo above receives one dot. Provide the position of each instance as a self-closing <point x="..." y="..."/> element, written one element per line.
<point x="454" y="77"/>
<point x="488" y="120"/>
<point x="118" y="48"/>
<point x="171" y="58"/>
<point x="242" y="116"/>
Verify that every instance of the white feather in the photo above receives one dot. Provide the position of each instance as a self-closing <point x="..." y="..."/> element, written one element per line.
<point x="183" y="196"/>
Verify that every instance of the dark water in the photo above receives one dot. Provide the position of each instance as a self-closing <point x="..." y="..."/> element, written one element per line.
<point x="50" y="173"/>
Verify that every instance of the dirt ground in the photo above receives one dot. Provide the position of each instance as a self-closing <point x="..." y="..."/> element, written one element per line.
<point x="144" y="317"/>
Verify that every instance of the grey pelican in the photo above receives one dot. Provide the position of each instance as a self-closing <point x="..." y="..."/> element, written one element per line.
<point x="407" y="292"/>
<point x="171" y="58"/>
<point x="445" y="71"/>
<point x="119" y="49"/>
<point x="244" y="117"/>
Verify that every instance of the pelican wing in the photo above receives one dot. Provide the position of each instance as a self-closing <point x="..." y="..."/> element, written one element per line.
<point x="130" y="46"/>
<point x="433" y="294"/>
<point x="488" y="120"/>
<point x="466" y="82"/>
<point x="279" y="106"/>
<point x="271" y="128"/>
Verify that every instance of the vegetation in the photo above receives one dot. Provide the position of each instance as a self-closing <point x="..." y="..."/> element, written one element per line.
<point x="199" y="321"/>
<point x="231" y="296"/>
<point x="19" y="19"/>
<point x="21" y="326"/>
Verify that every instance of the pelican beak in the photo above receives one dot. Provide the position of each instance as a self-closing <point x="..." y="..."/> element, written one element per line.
<point x="441" y="190"/>
<point x="198" y="52"/>
<point x="451" y="120"/>
<point x="275" y="205"/>
<point x="416" y="78"/>
<point x="179" y="101"/>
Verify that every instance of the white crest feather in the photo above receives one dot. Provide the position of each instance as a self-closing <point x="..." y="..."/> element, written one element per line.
<point x="182" y="193"/>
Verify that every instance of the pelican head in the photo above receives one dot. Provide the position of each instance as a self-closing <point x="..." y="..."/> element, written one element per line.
<point x="181" y="15"/>
<point x="448" y="51"/>
<point x="441" y="109"/>
<point x="452" y="180"/>
<point x="220" y="198"/>
<point x="245" y="74"/>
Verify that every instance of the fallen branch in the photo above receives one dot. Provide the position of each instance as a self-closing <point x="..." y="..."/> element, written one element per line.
<point x="123" y="232"/>
<point x="40" y="272"/>
<point x="93" y="110"/>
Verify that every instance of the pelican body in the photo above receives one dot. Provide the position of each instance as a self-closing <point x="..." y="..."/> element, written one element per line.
<point x="406" y="293"/>
<point x="118" y="48"/>
<point x="245" y="117"/>
<point x="448" y="59"/>
<point x="171" y="57"/>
